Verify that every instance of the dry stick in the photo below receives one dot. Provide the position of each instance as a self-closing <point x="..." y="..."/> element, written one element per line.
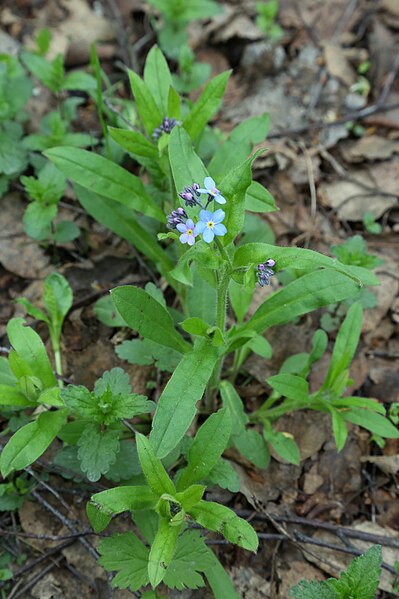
<point x="29" y="535"/>
<point x="66" y="521"/>
<point x="312" y="189"/>
<point x="351" y="116"/>
<point x="122" y="36"/>
<point x="349" y="532"/>
<point x="40" y="559"/>
<point x="31" y="583"/>
<point x="389" y="81"/>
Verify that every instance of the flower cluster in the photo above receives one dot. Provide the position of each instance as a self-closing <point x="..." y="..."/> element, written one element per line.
<point x="264" y="272"/>
<point x="209" y="224"/>
<point x="165" y="127"/>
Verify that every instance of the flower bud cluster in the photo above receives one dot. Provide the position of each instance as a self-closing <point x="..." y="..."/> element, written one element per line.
<point x="264" y="272"/>
<point x="165" y="127"/>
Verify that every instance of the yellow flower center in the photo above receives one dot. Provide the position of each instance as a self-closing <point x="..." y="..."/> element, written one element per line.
<point x="189" y="232"/>
<point x="210" y="224"/>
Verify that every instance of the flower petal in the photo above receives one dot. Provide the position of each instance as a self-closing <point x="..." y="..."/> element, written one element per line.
<point x="218" y="216"/>
<point x="184" y="238"/>
<point x="181" y="227"/>
<point x="189" y="224"/>
<point x="200" y="190"/>
<point x="220" y="199"/>
<point x="199" y="227"/>
<point x="191" y="240"/>
<point x="208" y="235"/>
<point x="219" y="230"/>
<point x="205" y="216"/>
<point x="209" y="183"/>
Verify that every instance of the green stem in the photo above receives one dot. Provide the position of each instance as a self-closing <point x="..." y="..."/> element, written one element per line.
<point x="221" y="308"/>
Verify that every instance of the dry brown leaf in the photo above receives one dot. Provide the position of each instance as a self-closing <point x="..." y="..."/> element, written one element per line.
<point x="297" y="571"/>
<point x="371" y="147"/>
<point x="18" y="253"/>
<point x="338" y="65"/>
<point x="334" y="562"/>
<point x="351" y="200"/>
<point x="310" y="430"/>
<point x="387" y="463"/>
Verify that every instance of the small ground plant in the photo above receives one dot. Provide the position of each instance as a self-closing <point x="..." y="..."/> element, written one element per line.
<point x="191" y="216"/>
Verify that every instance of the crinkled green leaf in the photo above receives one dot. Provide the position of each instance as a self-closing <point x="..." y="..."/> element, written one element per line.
<point x="97" y="450"/>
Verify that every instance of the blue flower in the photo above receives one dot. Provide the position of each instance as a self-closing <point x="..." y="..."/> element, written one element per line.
<point x="212" y="191"/>
<point x="209" y="225"/>
<point x="187" y="231"/>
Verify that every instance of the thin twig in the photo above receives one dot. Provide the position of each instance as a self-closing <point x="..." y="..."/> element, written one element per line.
<point x="33" y="581"/>
<point x="351" y="116"/>
<point x="349" y="532"/>
<point x="66" y="521"/>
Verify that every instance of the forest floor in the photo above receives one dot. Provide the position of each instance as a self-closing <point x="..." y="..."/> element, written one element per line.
<point x="333" y="155"/>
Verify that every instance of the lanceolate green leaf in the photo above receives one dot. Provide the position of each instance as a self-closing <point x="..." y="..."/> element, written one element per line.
<point x="177" y="404"/>
<point x="123" y="222"/>
<point x="291" y="386"/>
<point x="209" y="443"/>
<point x="301" y="296"/>
<point x="11" y="396"/>
<point x="134" y="142"/>
<point x="158" y="79"/>
<point x="102" y="176"/>
<point x="30" y="441"/>
<point x="219" y="518"/>
<point x="206" y="106"/>
<point x="372" y="421"/>
<point x="144" y="314"/>
<point x="259" y="199"/>
<point x="233" y="402"/>
<point x="233" y="187"/>
<point x="162" y="551"/>
<point x="30" y="348"/>
<point x="187" y="167"/>
<point x="345" y="344"/>
<point x="219" y="580"/>
<point x="302" y="259"/>
<point x="153" y="470"/>
<point x="118" y="500"/>
<point x="146" y="105"/>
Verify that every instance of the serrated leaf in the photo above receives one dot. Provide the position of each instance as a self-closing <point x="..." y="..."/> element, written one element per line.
<point x="313" y="590"/>
<point x="191" y="558"/>
<point x="127" y="555"/>
<point x="360" y="581"/>
<point x="97" y="450"/>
